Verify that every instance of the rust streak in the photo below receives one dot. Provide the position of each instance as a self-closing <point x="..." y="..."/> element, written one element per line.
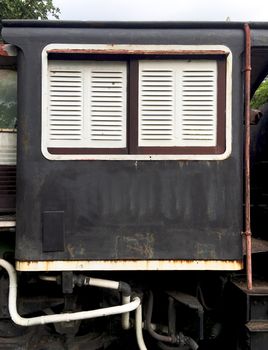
<point x="138" y="52"/>
<point x="128" y="265"/>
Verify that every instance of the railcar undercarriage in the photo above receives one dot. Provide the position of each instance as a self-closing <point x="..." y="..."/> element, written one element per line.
<point x="180" y="310"/>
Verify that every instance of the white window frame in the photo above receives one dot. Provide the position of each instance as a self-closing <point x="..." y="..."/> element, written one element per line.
<point x="138" y="49"/>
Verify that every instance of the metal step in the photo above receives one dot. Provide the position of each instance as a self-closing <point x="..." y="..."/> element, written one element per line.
<point x="247" y="314"/>
<point x="255" y="300"/>
<point x="257" y="335"/>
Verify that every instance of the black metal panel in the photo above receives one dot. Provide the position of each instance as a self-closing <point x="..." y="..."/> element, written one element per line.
<point x="259" y="341"/>
<point x="125" y="209"/>
<point x="53" y="231"/>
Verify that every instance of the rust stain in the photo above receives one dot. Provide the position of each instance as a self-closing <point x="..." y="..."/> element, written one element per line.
<point x="129" y="265"/>
<point x="139" y="245"/>
<point x="139" y="52"/>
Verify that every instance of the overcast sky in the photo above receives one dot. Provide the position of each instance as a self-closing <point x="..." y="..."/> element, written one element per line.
<point x="163" y="10"/>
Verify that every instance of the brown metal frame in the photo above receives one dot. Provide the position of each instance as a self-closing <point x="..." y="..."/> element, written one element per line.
<point x="85" y="150"/>
<point x="221" y="120"/>
<point x="133" y="58"/>
<point x="118" y="51"/>
<point x="247" y="231"/>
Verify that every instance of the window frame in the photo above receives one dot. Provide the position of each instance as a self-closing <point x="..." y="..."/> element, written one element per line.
<point x="133" y="53"/>
<point x="88" y="149"/>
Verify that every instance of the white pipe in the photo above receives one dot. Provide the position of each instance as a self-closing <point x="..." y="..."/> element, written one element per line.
<point x="23" y="321"/>
<point x="48" y="278"/>
<point x="98" y="282"/>
<point x="125" y="317"/>
<point x="138" y="324"/>
<point x="102" y="283"/>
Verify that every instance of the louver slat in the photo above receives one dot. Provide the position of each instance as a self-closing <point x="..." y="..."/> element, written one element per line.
<point x="156" y="111"/>
<point x="7" y="188"/>
<point x="177" y="103"/>
<point x="65" y="107"/>
<point x="8" y="148"/>
<point x="199" y="107"/>
<point x="108" y="107"/>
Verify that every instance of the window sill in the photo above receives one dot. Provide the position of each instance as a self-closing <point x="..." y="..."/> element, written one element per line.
<point x="137" y="157"/>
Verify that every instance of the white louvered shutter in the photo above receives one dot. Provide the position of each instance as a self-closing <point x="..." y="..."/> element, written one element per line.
<point x="86" y="104"/>
<point x="156" y="104"/>
<point x="199" y="107"/>
<point x="108" y="105"/>
<point x="177" y="103"/>
<point x="65" y="106"/>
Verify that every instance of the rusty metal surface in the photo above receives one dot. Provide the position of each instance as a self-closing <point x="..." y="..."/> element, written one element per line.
<point x="247" y="155"/>
<point x="260" y="287"/>
<point x="115" y="51"/>
<point x="261" y="326"/>
<point x="128" y="265"/>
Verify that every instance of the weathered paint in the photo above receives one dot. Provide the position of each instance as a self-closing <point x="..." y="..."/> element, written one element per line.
<point x="156" y="210"/>
<point x="129" y="265"/>
<point x="116" y="51"/>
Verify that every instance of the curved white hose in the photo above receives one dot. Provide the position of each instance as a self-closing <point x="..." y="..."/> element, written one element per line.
<point x="23" y="321"/>
<point x="138" y="324"/>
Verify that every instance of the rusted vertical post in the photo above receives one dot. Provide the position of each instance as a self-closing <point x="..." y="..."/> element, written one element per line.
<point x="247" y="155"/>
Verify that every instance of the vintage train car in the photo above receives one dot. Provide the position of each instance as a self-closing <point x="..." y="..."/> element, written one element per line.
<point x="129" y="168"/>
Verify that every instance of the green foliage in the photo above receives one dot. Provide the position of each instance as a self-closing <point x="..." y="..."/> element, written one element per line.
<point x="8" y="99"/>
<point x="7" y="113"/>
<point x="261" y="95"/>
<point x="28" y="9"/>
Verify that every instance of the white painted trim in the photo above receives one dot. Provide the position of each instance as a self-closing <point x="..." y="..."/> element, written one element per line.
<point x="133" y="49"/>
<point x="130" y="265"/>
<point x="7" y="224"/>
